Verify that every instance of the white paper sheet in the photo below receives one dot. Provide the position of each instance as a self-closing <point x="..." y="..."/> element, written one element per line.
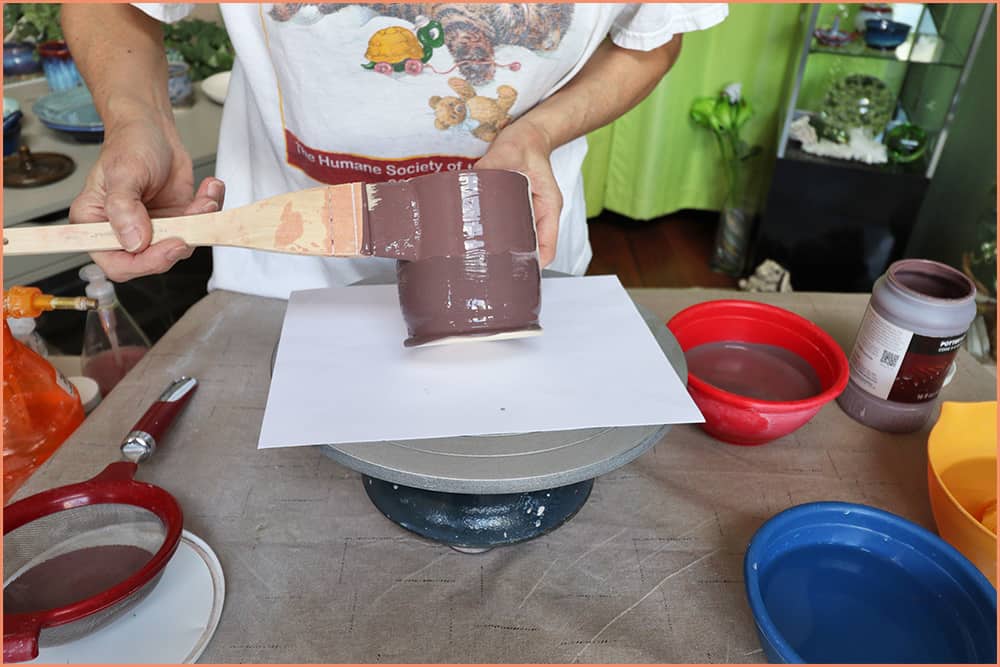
<point x="342" y="375"/>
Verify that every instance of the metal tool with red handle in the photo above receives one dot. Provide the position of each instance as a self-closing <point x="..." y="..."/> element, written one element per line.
<point x="61" y="536"/>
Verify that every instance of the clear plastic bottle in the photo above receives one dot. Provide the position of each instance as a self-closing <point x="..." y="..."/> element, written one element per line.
<point x="112" y="342"/>
<point x="23" y="329"/>
<point x="41" y="408"/>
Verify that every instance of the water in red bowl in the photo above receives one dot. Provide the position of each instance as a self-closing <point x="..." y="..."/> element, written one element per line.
<point x="757" y="372"/>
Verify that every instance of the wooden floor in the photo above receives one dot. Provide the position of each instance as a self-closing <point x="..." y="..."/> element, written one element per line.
<point x="672" y="251"/>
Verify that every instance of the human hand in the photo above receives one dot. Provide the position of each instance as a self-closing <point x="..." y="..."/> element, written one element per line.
<point x="143" y="171"/>
<point x="524" y="147"/>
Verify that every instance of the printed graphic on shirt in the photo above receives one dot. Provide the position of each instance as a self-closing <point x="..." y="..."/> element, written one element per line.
<point x="483" y="116"/>
<point x="429" y="86"/>
<point x="471" y="33"/>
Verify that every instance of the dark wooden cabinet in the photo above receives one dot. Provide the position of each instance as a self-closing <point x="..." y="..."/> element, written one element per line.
<point x="836" y="226"/>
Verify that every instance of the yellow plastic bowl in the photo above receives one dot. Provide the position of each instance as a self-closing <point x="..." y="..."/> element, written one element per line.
<point x="962" y="480"/>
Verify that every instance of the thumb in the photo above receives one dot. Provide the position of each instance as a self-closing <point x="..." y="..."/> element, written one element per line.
<point x="126" y="212"/>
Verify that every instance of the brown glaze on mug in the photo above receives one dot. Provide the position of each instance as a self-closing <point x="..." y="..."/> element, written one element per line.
<point x="467" y="251"/>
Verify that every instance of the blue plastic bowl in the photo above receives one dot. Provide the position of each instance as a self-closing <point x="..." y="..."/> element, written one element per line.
<point x="885" y="34"/>
<point x="843" y="583"/>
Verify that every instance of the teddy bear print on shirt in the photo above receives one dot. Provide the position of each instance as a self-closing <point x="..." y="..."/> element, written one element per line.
<point x="491" y="114"/>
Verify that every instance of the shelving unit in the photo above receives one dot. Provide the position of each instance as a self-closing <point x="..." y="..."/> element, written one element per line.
<point x="837" y="224"/>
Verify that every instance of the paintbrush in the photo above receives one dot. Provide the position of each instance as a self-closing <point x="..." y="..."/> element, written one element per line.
<point x="346" y="220"/>
<point x="329" y="221"/>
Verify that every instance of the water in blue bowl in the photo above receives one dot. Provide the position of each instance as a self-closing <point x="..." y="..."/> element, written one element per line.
<point x="845" y="604"/>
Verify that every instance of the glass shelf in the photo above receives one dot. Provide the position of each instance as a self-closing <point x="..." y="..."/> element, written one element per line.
<point x="793" y="151"/>
<point x="921" y="48"/>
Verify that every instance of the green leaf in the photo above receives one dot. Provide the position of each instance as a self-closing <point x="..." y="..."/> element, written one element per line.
<point x="744" y="113"/>
<point x="701" y="111"/>
<point x="40" y="21"/>
<point x="723" y="112"/>
<point x="205" y="46"/>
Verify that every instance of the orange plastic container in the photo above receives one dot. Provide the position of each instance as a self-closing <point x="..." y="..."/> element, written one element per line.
<point x="41" y="408"/>
<point x="961" y="479"/>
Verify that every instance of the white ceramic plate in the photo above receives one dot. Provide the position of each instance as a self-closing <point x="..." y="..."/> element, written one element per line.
<point x="216" y="86"/>
<point x="172" y="625"/>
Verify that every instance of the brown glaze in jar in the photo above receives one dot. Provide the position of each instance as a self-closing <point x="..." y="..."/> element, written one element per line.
<point x="477" y="273"/>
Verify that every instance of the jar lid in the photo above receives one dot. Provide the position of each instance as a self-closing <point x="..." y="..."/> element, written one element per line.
<point x="30" y="170"/>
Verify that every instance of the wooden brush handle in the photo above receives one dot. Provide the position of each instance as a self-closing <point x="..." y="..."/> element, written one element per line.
<point x="195" y="230"/>
<point x="326" y="221"/>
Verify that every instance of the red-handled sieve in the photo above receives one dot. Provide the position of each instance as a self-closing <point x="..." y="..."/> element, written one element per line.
<point x="77" y="556"/>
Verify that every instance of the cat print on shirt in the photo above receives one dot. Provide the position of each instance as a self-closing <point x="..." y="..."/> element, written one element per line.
<point x="472" y="33"/>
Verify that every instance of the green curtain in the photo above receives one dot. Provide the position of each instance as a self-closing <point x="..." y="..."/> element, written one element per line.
<point x="654" y="160"/>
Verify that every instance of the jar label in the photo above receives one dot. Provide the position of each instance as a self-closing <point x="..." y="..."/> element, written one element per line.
<point x="895" y="364"/>
<point x="63" y="383"/>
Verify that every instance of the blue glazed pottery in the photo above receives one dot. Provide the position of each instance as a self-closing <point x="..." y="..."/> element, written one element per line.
<point x="11" y="126"/>
<point x="60" y="70"/>
<point x="179" y="85"/>
<point x="837" y="582"/>
<point x="885" y="34"/>
<point x="71" y="111"/>
<point x="20" y="58"/>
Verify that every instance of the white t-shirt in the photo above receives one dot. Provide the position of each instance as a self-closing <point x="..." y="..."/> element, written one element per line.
<point x="331" y="93"/>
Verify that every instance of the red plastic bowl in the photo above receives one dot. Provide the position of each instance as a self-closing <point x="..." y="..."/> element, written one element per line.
<point x="740" y="420"/>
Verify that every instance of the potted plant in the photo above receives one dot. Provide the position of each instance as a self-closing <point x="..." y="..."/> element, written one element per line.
<point x="203" y="45"/>
<point x="196" y="49"/>
<point x="38" y="23"/>
<point x="20" y="58"/>
<point x="980" y="265"/>
<point x="725" y="115"/>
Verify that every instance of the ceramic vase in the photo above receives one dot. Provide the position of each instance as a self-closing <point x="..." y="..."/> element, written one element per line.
<point x="179" y="85"/>
<point x="60" y="70"/>
<point x="732" y="236"/>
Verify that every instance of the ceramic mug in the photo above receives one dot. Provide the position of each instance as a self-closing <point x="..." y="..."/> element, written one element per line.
<point x="483" y="277"/>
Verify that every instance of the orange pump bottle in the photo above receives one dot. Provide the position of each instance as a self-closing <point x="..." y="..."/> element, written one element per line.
<point x="41" y="408"/>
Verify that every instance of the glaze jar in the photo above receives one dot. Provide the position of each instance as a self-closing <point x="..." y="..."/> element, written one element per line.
<point x="905" y="349"/>
<point x="478" y="274"/>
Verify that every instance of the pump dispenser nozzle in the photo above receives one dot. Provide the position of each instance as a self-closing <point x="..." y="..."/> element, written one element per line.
<point x="98" y="285"/>
<point x="21" y="301"/>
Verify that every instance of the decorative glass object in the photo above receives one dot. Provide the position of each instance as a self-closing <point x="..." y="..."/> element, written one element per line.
<point x="906" y="143"/>
<point x="857" y="100"/>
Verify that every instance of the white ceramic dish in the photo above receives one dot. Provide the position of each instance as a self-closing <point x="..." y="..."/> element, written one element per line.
<point x="172" y="625"/>
<point x="216" y="86"/>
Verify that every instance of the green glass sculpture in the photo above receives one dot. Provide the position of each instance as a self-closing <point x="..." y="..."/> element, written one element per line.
<point x="857" y="100"/>
<point x="905" y="143"/>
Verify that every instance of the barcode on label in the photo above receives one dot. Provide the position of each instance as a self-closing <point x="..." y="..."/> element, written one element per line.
<point x="889" y="358"/>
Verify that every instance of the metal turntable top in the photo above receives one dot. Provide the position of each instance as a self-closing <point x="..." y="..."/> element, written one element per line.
<point x="510" y="463"/>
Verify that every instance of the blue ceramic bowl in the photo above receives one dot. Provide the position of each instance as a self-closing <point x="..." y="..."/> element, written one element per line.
<point x="11" y="132"/>
<point x="885" y="34"/>
<point x="71" y="111"/>
<point x="841" y="583"/>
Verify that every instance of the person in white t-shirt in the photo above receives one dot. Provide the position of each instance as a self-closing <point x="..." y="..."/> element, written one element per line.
<point x="333" y="93"/>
